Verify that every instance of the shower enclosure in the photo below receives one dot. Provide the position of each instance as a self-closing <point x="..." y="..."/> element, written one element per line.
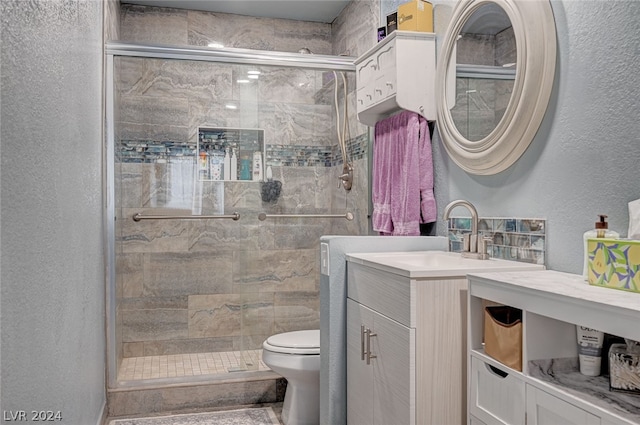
<point x="203" y="269"/>
<point x="486" y="57"/>
<point x="482" y="96"/>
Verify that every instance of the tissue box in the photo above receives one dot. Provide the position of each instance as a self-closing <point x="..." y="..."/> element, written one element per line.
<point x="614" y="263"/>
<point x="416" y="15"/>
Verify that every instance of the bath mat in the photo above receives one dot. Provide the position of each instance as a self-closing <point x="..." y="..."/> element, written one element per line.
<point x="257" y="416"/>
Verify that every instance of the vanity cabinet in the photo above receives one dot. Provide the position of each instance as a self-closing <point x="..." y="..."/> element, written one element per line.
<point x="397" y="73"/>
<point x="380" y="362"/>
<point x="549" y="390"/>
<point x="416" y="333"/>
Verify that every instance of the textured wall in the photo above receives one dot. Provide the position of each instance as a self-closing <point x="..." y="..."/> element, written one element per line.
<point x="53" y="343"/>
<point x="584" y="159"/>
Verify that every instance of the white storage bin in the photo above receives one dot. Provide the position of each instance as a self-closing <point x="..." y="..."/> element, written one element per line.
<point x="496" y="396"/>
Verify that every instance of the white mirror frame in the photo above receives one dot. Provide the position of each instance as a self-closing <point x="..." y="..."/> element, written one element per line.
<point x="535" y="35"/>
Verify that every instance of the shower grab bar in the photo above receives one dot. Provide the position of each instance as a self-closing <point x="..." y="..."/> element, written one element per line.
<point x="137" y="217"/>
<point x="263" y="216"/>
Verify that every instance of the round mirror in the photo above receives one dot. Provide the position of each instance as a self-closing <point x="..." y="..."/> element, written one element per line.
<point x="495" y="76"/>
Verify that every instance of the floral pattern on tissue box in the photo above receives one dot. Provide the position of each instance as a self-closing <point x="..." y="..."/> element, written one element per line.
<point x="614" y="263"/>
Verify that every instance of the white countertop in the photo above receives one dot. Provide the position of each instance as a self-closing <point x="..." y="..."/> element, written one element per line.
<point x="562" y="296"/>
<point x="435" y="264"/>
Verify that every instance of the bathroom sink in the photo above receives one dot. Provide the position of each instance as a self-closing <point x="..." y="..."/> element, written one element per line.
<point x="436" y="263"/>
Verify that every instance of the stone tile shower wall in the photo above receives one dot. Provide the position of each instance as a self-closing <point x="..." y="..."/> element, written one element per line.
<point x="219" y="285"/>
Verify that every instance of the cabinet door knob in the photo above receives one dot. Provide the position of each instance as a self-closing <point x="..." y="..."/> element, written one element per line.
<point x="369" y="355"/>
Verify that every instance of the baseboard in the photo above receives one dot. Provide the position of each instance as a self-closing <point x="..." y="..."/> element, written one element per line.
<point x="102" y="419"/>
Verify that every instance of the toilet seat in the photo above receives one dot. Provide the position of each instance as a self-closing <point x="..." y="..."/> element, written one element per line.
<point x="298" y="342"/>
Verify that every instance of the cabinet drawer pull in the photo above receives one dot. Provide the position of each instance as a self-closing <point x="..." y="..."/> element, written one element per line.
<point x="362" y="336"/>
<point x="369" y="355"/>
<point x="495" y="371"/>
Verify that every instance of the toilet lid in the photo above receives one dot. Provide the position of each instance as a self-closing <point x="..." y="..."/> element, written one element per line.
<point x="298" y="342"/>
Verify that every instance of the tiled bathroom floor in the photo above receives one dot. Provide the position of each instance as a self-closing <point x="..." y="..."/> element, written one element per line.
<point x="179" y="365"/>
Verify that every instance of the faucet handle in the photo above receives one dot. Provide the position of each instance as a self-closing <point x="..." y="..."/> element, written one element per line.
<point x="482" y="244"/>
<point x="466" y="242"/>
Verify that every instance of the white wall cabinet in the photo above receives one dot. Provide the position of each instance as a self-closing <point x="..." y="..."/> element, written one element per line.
<point x="550" y="390"/>
<point x="397" y="73"/>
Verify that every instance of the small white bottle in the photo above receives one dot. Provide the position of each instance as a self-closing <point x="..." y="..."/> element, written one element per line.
<point x="216" y="165"/>
<point x="257" y="166"/>
<point x="601" y="231"/>
<point x="234" y="165"/>
<point x="227" y="165"/>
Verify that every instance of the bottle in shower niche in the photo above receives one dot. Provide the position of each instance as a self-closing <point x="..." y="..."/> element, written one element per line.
<point x="257" y="166"/>
<point x="216" y="165"/>
<point x="203" y="165"/>
<point x="227" y="165"/>
<point x="234" y="165"/>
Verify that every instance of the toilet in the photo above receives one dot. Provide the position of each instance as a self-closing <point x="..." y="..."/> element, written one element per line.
<point x="296" y="356"/>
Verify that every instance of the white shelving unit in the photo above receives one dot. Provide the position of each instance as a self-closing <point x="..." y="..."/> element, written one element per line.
<point x="398" y="73"/>
<point x="550" y="389"/>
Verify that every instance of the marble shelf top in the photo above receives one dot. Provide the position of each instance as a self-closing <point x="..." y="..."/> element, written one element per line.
<point x="563" y="373"/>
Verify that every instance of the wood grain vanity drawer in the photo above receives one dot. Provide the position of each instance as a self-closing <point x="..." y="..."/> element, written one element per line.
<point x="386" y="293"/>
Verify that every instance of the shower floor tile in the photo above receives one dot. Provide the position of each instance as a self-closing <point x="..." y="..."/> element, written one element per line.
<point x="194" y="364"/>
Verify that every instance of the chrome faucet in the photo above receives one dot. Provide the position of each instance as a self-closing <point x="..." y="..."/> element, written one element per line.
<point x="472" y="246"/>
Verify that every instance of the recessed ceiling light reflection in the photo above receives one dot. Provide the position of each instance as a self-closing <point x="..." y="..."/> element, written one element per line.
<point x="242" y="81"/>
<point x="231" y="106"/>
<point x="216" y="45"/>
<point x="253" y="76"/>
<point x="253" y="72"/>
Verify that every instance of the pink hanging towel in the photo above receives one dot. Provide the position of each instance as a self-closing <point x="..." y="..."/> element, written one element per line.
<point x="402" y="188"/>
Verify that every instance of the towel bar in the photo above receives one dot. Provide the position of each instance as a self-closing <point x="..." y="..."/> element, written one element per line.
<point x="137" y="217"/>
<point x="263" y="216"/>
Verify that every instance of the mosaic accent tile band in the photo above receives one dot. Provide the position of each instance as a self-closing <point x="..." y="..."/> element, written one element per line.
<point x="516" y="239"/>
<point x="152" y="151"/>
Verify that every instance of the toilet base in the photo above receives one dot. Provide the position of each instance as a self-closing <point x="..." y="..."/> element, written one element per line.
<point x="296" y="409"/>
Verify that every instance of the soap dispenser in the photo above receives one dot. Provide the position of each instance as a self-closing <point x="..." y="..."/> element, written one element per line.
<point x="601" y="231"/>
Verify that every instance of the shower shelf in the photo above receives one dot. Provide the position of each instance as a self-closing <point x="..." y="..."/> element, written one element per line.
<point x="213" y="142"/>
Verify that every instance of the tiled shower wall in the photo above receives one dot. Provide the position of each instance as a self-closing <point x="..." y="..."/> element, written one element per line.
<point x="198" y="286"/>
